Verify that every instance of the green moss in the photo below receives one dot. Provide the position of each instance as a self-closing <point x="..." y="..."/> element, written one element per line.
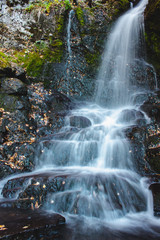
<point x="153" y="48"/>
<point x="60" y="24"/>
<point x="4" y="60"/>
<point x="92" y="58"/>
<point x="44" y="5"/>
<point x="67" y="5"/>
<point x="34" y="61"/>
<point x="80" y="16"/>
<point x="124" y="4"/>
<point x="57" y="43"/>
<point x="30" y="8"/>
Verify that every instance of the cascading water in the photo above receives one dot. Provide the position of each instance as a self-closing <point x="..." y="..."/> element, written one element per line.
<point x="94" y="146"/>
<point x="122" y="50"/>
<point x="92" y="152"/>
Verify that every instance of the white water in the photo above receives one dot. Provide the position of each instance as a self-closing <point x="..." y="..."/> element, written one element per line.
<point x="121" y="52"/>
<point x="108" y="186"/>
<point x="69" y="59"/>
<point x="103" y="183"/>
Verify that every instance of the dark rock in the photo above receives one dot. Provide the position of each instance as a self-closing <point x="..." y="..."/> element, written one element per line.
<point x="6" y="72"/>
<point x="152" y="34"/>
<point x="152" y="107"/>
<point x="137" y="136"/>
<point x="153" y="157"/>
<point x="11" y="103"/>
<point x="59" y="102"/>
<point x="14" y="71"/>
<point x="26" y="224"/>
<point x="79" y="122"/>
<point x="12" y="3"/>
<point x="132" y="116"/>
<point x="155" y="188"/>
<point x="13" y="86"/>
<point x="18" y="72"/>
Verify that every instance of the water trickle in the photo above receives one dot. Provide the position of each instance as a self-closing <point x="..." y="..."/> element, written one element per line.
<point x="69" y="59"/>
<point x="131" y="4"/>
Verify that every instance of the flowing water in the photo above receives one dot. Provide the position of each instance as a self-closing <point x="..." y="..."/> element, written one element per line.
<point x="69" y="58"/>
<point x="102" y="186"/>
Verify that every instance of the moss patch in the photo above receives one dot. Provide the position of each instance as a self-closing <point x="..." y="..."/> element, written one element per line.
<point x="34" y="61"/>
<point x="4" y="60"/>
<point x="92" y="58"/>
<point x="80" y="16"/>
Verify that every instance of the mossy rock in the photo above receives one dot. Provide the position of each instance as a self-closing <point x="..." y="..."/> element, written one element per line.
<point x="10" y="103"/>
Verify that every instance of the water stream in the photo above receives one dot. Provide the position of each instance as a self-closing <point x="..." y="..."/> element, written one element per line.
<point x="102" y="184"/>
<point x="69" y="58"/>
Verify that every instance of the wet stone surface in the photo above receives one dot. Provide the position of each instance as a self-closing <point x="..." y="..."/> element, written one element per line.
<point x="23" y="224"/>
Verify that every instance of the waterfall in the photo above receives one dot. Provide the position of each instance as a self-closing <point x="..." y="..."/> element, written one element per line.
<point x="69" y="59"/>
<point x="91" y="153"/>
<point x="94" y="146"/>
<point x="121" y="52"/>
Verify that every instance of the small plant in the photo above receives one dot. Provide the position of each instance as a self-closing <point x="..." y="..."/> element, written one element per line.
<point x="30" y="8"/>
<point x="67" y="5"/>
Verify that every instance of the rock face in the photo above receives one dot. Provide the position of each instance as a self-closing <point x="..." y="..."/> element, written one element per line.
<point x="152" y="27"/>
<point x="37" y="37"/>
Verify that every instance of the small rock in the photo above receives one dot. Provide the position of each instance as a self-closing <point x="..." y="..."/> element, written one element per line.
<point x="13" y="86"/>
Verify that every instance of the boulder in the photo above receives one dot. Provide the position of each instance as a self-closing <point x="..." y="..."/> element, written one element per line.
<point x="13" y="86"/>
<point x="132" y="116"/>
<point x="79" y="122"/>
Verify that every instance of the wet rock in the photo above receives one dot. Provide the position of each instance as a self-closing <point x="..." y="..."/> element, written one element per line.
<point x="79" y="122"/>
<point x="13" y="86"/>
<point x="59" y="102"/>
<point x="137" y="136"/>
<point x="155" y="188"/>
<point x="153" y="157"/>
<point x="132" y="116"/>
<point x="152" y="107"/>
<point x="142" y="74"/>
<point x="21" y="224"/>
